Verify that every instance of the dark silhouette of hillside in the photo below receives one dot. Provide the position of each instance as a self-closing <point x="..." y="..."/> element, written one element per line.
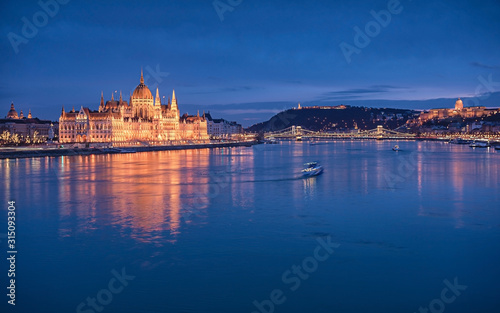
<point x="338" y="118"/>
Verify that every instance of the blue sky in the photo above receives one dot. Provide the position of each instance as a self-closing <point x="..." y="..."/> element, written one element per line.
<point x="261" y="57"/>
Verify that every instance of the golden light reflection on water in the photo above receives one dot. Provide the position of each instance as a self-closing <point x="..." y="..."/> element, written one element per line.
<point x="154" y="195"/>
<point x="146" y="194"/>
<point x="449" y="173"/>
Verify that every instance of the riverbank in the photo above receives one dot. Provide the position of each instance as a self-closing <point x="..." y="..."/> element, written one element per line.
<point x="15" y="153"/>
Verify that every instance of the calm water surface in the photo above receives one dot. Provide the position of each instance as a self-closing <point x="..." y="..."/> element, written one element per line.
<point x="219" y="230"/>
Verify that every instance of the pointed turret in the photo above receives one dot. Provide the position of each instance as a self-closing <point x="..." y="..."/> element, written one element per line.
<point x="29" y="113"/>
<point x="121" y="99"/>
<point x="62" y="111"/>
<point x="102" y="99"/>
<point x="112" y="98"/>
<point x="157" y="100"/>
<point x="174" y="101"/>
<point x="142" y="77"/>
<point x="21" y="115"/>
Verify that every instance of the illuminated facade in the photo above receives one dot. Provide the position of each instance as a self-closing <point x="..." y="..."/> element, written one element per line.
<point x="458" y="111"/>
<point x="142" y="119"/>
<point x="220" y="128"/>
<point x="24" y="126"/>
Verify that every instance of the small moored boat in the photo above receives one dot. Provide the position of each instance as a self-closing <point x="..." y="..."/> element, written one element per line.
<point x="395" y="148"/>
<point x="460" y="141"/>
<point x="127" y="151"/>
<point x="271" y="141"/>
<point x="479" y="144"/>
<point x="312" y="169"/>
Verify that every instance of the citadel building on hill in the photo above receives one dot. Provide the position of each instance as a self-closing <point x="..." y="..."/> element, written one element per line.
<point x="142" y="119"/>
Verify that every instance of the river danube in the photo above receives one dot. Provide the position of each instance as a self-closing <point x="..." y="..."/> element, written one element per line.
<point x="238" y="230"/>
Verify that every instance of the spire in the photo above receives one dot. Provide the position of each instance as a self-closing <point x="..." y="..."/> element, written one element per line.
<point x="142" y="77"/>
<point x="198" y="115"/>
<point x="174" y="101"/>
<point x="29" y="113"/>
<point x="102" y="98"/>
<point x="112" y="98"/>
<point x="121" y="99"/>
<point x="157" y="100"/>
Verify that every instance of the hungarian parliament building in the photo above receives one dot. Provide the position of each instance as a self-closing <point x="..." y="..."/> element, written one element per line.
<point x="143" y="119"/>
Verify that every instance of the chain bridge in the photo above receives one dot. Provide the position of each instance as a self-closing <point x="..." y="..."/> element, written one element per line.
<point x="298" y="133"/>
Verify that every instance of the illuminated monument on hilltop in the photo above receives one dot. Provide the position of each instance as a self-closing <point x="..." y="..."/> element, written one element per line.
<point x="458" y="111"/>
<point x="143" y="118"/>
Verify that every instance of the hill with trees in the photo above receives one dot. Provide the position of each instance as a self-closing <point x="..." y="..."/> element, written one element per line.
<point x="335" y="118"/>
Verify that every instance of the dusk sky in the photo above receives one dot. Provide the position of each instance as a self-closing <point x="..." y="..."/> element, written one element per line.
<point x="251" y="61"/>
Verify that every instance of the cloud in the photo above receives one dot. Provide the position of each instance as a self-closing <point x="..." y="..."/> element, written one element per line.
<point x="226" y="89"/>
<point x="356" y="93"/>
<point x="481" y="65"/>
<point x="249" y="111"/>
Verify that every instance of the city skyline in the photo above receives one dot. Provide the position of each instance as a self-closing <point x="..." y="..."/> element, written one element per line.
<point x="248" y="61"/>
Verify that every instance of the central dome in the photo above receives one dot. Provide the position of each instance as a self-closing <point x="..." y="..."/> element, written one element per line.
<point x="142" y="91"/>
<point x="12" y="112"/>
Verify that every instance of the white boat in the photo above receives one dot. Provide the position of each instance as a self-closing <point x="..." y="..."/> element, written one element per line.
<point x="479" y="144"/>
<point x="315" y="143"/>
<point x="460" y="141"/>
<point x="127" y="151"/>
<point x="271" y="141"/>
<point x="312" y="169"/>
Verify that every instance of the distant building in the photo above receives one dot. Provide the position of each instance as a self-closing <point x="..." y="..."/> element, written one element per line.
<point x="323" y="107"/>
<point x="221" y="128"/>
<point x="143" y="119"/>
<point x="26" y="126"/>
<point x="458" y="111"/>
